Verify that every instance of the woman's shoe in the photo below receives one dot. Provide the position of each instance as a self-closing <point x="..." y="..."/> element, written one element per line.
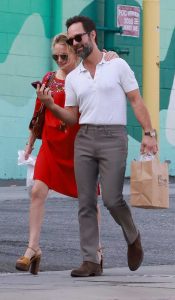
<point x="100" y="255"/>
<point x="24" y="263"/>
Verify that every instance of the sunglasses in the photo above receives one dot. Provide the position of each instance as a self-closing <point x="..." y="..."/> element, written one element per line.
<point x="77" y="38"/>
<point x="62" y="56"/>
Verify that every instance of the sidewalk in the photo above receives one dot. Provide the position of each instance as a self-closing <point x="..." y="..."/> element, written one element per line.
<point x="148" y="283"/>
<point x="11" y="190"/>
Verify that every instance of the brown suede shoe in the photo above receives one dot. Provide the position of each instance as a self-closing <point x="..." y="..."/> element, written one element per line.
<point x="87" y="269"/>
<point x="135" y="254"/>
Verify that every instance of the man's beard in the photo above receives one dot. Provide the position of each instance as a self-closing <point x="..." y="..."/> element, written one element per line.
<point x="87" y="50"/>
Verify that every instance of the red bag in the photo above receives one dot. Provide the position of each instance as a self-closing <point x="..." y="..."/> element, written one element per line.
<point x="37" y="122"/>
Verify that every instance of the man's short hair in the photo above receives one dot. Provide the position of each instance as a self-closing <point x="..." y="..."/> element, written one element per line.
<point x="88" y="24"/>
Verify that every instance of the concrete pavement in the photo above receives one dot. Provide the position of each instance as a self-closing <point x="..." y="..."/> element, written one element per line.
<point x="147" y="283"/>
<point x="14" y="191"/>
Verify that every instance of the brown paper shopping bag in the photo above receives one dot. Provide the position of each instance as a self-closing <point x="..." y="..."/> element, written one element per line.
<point x="149" y="184"/>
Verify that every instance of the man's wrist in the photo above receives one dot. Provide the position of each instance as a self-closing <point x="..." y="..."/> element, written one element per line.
<point x="151" y="133"/>
<point x="52" y="106"/>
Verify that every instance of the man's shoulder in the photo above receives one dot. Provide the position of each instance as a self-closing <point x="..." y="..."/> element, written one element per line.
<point x="119" y="64"/>
<point x="119" y="61"/>
<point x="74" y="72"/>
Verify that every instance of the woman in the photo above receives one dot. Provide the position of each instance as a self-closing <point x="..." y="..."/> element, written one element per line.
<point x="54" y="165"/>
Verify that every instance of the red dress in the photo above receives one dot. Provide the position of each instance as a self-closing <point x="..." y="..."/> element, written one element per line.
<point x="55" y="160"/>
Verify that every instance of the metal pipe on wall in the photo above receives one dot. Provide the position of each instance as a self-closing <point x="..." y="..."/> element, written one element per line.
<point x="151" y="57"/>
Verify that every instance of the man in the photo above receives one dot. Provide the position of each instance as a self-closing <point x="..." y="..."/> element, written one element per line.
<point x="97" y="90"/>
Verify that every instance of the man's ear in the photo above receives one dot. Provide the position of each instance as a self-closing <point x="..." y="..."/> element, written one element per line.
<point x="93" y="34"/>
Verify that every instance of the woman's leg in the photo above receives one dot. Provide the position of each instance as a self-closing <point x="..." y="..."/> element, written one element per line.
<point x="100" y="251"/>
<point x="37" y="206"/>
<point x="99" y="222"/>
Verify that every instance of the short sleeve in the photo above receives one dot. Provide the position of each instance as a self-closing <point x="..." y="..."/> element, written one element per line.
<point x="128" y="80"/>
<point x="71" y="97"/>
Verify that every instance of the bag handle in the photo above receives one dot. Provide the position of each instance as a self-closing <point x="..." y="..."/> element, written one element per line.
<point x="48" y="83"/>
<point x="50" y="79"/>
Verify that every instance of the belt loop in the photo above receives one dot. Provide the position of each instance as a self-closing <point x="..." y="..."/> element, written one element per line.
<point x="86" y="128"/>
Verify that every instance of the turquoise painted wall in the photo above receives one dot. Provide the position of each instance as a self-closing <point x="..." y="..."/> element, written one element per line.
<point x="167" y="82"/>
<point x="26" y="29"/>
<point x="167" y="72"/>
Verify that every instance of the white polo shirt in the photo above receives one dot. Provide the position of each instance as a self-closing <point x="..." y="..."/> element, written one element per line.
<point x="102" y="99"/>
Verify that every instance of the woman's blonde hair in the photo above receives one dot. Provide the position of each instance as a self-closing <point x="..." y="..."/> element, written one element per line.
<point x="61" y="39"/>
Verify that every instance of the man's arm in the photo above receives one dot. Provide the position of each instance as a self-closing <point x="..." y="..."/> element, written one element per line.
<point x="69" y="115"/>
<point x="149" y="144"/>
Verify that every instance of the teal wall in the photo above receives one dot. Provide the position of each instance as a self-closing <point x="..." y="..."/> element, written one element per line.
<point x="167" y="71"/>
<point x="167" y="82"/>
<point x="26" y="29"/>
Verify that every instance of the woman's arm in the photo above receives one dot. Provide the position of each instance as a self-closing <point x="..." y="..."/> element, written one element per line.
<point x="69" y="115"/>
<point x="29" y="145"/>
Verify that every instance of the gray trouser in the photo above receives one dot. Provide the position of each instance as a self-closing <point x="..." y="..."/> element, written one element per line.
<point x="101" y="151"/>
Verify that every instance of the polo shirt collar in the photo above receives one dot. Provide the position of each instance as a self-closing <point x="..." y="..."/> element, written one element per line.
<point x="103" y="61"/>
<point x="83" y="69"/>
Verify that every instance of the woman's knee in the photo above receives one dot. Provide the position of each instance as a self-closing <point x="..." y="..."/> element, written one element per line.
<point x="38" y="193"/>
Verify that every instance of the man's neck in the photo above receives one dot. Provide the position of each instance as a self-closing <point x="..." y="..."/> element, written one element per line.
<point x="93" y="59"/>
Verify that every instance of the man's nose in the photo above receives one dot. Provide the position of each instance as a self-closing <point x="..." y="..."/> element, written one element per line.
<point x="75" y="42"/>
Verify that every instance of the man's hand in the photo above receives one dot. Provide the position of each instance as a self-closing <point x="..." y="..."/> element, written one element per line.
<point x="149" y="145"/>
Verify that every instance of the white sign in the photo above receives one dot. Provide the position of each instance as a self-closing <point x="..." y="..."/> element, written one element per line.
<point x="129" y="18"/>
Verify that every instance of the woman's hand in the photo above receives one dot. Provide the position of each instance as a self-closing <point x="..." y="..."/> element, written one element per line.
<point x="28" y="150"/>
<point x="45" y="95"/>
<point x="110" y="55"/>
